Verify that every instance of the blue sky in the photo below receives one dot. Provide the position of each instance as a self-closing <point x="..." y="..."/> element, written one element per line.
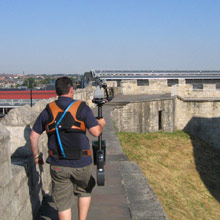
<point x="75" y="36"/>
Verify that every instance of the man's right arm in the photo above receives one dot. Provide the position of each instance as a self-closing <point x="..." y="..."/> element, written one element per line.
<point x="38" y="129"/>
<point x="34" y="137"/>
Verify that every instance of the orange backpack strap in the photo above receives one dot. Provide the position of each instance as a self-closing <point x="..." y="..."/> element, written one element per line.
<point x="74" y="111"/>
<point x="53" y="110"/>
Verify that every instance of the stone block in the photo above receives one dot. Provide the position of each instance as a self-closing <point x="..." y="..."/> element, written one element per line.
<point x="5" y="173"/>
<point x="19" y="144"/>
<point x="26" y="212"/>
<point x="19" y="176"/>
<point x="4" y="150"/>
<point x="4" y="133"/>
<point x="6" y="197"/>
<point x="40" y="105"/>
<point x="6" y="213"/>
<point x="20" y="116"/>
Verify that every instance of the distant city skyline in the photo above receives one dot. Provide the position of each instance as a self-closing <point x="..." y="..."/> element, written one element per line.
<point x="72" y="37"/>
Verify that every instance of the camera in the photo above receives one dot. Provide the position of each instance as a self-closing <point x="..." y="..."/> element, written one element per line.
<point x="101" y="97"/>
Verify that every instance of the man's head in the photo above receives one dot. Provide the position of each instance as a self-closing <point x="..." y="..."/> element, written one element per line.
<point x="63" y="85"/>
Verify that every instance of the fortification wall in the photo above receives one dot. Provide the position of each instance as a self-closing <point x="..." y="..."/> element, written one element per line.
<point x="6" y="188"/>
<point x="195" y="111"/>
<point x="186" y="91"/>
<point x="149" y="116"/>
<point x="198" y="111"/>
<point x="22" y="183"/>
<point x="160" y="86"/>
<point x="27" y="181"/>
<point x="156" y="86"/>
<point x="199" y="118"/>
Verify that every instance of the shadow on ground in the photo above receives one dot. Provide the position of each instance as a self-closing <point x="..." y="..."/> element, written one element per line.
<point x="204" y="131"/>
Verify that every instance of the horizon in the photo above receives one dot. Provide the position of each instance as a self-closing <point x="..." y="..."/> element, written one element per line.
<point x="121" y="70"/>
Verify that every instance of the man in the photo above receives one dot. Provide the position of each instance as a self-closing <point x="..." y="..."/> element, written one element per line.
<point x="69" y="150"/>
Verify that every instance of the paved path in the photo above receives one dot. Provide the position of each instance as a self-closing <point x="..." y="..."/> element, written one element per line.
<point x="126" y="194"/>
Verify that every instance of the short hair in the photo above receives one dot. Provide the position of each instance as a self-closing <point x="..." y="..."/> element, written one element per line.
<point x="63" y="85"/>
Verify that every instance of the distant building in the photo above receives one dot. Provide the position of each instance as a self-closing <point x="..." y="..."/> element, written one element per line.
<point x="172" y="77"/>
<point x="12" y="98"/>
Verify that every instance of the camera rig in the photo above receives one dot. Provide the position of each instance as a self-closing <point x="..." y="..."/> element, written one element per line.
<point x="101" y="96"/>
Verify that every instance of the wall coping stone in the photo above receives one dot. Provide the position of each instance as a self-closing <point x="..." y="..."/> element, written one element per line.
<point x="205" y="99"/>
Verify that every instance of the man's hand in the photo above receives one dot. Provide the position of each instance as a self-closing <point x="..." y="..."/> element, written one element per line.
<point x="39" y="159"/>
<point x="97" y="130"/>
<point x="101" y="122"/>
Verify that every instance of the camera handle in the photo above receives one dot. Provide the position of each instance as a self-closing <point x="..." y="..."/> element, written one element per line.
<point x="100" y="154"/>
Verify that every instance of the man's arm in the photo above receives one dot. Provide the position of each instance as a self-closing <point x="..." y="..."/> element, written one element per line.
<point x="97" y="130"/>
<point x="34" y="137"/>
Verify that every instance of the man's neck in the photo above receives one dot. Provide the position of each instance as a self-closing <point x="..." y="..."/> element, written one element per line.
<point x="68" y="96"/>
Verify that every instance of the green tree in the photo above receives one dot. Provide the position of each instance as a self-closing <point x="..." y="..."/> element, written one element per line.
<point x="29" y="82"/>
<point x="46" y="80"/>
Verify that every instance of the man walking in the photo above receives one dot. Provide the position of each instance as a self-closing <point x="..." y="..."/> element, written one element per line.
<point x="65" y="121"/>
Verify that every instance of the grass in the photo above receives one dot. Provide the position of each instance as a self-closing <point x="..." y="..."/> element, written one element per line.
<point x="180" y="171"/>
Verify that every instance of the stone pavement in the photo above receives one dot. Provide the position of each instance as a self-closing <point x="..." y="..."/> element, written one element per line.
<point x="126" y="194"/>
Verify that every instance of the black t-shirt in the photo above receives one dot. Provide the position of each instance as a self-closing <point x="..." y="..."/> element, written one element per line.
<point x="80" y="139"/>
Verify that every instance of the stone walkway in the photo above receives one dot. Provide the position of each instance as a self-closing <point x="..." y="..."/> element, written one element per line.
<point x="126" y="194"/>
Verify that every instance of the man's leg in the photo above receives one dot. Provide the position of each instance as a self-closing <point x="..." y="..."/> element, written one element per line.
<point x="83" y="207"/>
<point x="65" y="215"/>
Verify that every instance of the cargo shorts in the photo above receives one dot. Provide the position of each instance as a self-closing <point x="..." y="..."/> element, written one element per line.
<point x="68" y="181"/>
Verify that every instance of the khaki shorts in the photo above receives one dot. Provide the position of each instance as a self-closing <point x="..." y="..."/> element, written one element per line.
<point x="67" y="181"/>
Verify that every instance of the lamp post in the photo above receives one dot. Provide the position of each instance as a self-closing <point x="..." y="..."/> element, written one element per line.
<point x="31" y="96"/>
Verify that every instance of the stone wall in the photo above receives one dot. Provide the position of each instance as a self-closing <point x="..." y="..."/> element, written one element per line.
<point x="85" y="95"/>
<point x="196" y="112"/>
<point x="22" y="183"/>
<point x="149" y="116"/>
<point x="130" y="87"/>
<point x="28" y="182"/>
<point x="156" y="86"/>
<point x="6" y="188"/>
<point x="200" y="118"/>
<point x="186" y="91"/>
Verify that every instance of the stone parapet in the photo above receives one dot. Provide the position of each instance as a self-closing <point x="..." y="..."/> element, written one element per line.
<point x="22" y="183"/>
<point x="187" y="91"/>
<point x="6" y="188"/>
<point x="26" y="181"/>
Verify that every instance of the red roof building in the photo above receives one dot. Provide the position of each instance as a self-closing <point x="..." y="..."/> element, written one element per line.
<point x="14" y="98"/>
<point x="26" y="94"/>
